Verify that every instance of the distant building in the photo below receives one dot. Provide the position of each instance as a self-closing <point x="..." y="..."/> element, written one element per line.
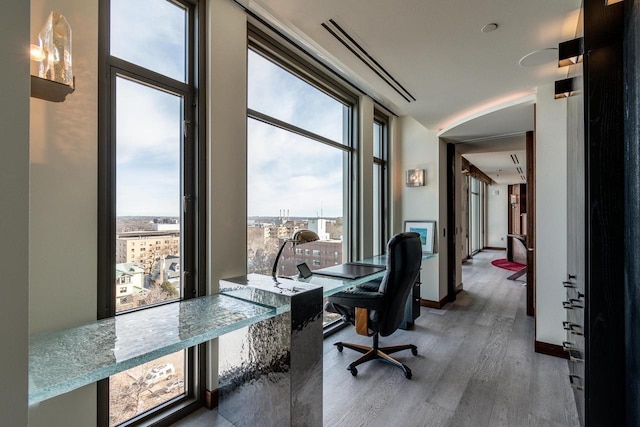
<point x="319" y="225"/>
<point x="129" y="279"/>
<point x="167" y="269"/>
<point x="146" y="247"/>
<point x="318" y="254"/>
<point x="166" y="224"/>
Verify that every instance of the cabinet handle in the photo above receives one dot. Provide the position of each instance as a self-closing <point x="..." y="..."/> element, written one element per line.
<point x="571" y="304"/>
<point x="573" y="379"/>
<point x="571" y="327"/>
<point x="574" y="358"/>
<point x="572" y="276"/>
<point x="569" y="285"/>
<point x="568" y="346"/>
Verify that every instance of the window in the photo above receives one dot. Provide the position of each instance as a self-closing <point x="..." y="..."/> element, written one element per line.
<point x="148" y="173"/>
<point x="380" y="125"/>
<point x="300" y="150"/>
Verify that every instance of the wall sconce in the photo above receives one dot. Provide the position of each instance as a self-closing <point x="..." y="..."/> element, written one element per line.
<point x="570" y="52"/>
<point x="53" y="50"/>
<point x="566" y="87"/>
<point x="415" y="178"/>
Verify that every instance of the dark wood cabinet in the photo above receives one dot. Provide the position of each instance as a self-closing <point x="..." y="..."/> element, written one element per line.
<point x="412" y="308"/>
<point x="595" y="300"/>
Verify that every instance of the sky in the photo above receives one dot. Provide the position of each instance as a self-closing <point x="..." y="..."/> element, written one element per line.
<point x="148" y="121"/>
<point x="285" y="170"/>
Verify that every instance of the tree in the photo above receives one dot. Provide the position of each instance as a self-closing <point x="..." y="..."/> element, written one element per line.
<point x="169" y="289"/>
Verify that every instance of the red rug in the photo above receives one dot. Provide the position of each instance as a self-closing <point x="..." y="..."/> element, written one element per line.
<point x="508" y="265"/>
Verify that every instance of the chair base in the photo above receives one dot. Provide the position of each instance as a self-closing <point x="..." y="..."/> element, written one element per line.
<point x="375" y="352"/>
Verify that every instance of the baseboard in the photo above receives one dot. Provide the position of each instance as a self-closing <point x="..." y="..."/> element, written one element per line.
<point x="495" y="248"/>
<point x="211" y="399"/>
<point x="459" y="288"/>
<point x="433" y="304"/>
<point x="550" y="350"/>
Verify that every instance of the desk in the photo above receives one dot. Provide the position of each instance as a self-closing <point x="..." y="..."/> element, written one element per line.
<point x="270" y="373"/>
<point x="64" y="360"/>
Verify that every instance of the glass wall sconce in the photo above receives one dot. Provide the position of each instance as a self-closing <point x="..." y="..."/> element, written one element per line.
<point x="570" y="52"/>
<point x="415" y="178"/>
<point x="53" y="50"/>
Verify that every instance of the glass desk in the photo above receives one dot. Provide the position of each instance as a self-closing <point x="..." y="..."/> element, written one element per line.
<point x="64" y="360"/>
<point x="331" y="285"/>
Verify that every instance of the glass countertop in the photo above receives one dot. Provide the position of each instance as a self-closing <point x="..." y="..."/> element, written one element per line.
<point x="64" y="360"/>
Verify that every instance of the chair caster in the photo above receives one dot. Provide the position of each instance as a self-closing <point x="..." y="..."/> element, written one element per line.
<point x="407" y="372"/>
<point x="353" y="370"/>
<point x="414" y="350"/>
<point x="339" y="346"/>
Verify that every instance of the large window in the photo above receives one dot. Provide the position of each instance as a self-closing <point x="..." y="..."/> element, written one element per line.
<point x="149" y="182"/>
<point x="380" y="125"/>
<point x="299" y="155"/>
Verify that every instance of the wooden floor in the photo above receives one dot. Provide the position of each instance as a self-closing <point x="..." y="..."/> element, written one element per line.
<point x="476" y="367"/>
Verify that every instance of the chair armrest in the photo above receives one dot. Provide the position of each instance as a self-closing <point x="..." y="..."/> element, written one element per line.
<point x="358" y="298"/>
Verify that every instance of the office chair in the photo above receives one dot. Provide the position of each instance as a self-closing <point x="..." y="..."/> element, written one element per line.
<point x="377" y="308"/>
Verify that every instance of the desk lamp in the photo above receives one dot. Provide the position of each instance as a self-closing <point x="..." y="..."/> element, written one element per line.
<point x="299" y="237"/>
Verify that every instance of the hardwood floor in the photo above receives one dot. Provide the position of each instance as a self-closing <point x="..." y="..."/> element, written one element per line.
<point x="476" y="367"/>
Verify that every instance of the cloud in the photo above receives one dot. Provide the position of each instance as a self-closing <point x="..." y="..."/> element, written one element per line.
<point x="158" y="42"/>
<point x="288" y="171"/>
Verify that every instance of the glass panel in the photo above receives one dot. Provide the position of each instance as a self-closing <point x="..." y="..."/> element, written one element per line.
<point x="150" y="33"/>
<point x="146" y="386"/>
<point x="148" y="182"/>
<point x="280" y="94"/>
<point x="377" y="140"/>
<point x="293" y="183"/>
<point x="377" y="209"/>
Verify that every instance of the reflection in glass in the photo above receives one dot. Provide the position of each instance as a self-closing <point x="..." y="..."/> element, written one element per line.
<point x="148" y="171"/>
<point x="146" y="386"/>
<point x="280" y="94"/>
<point x="158" y="42"/>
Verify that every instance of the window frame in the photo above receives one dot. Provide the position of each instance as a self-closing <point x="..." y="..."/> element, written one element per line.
<point x="261" y="43"/>
<point x="193" y="183"/>
<point x="383" y="162"/>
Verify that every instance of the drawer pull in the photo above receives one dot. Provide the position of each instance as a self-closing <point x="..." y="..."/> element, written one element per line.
<point x="572" y="327"/>
<point x="568" y="346"/>
<point x="575" y="356"/>
<point x="575" y="381"/>
<point x="572" y="303"/>
<point x="569" y="285"/>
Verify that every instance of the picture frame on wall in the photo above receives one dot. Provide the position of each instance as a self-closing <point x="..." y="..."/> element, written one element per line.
<point x="426" y="229"/>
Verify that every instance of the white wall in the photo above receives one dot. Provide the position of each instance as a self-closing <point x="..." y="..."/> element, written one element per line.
<point x="551" y="214"/>
<point x="420" y="148"/>
<point x="497" y="220"/>
<point x="14" y="227"/>
<point x="227" y="150"/>
<point x="63" y="204"/>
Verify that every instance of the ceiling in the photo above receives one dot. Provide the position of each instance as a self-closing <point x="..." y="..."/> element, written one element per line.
<point x="501" y="166"/>
<point x="467" y="84"/>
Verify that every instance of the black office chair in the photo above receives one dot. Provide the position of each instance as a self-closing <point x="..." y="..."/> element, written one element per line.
<point x="377" y="308"/>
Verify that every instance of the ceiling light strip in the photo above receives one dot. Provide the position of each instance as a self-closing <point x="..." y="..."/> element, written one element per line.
<point x="347" y="41"/>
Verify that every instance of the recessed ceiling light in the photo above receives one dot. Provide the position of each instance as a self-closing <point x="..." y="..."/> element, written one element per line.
<point x="489" y="27"/>
<point x="539" y="57"/>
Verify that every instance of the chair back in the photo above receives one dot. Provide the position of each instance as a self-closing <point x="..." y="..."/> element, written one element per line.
<point x="404" y="256"/>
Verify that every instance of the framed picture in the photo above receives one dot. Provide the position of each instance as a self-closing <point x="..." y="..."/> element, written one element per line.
<point x="426" y="230"/>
